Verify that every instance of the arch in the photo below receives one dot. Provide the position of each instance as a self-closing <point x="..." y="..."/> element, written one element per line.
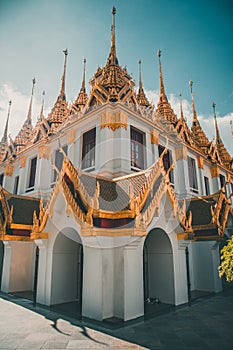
<point x="67" y="270"/>
<point x="1" y="260"/>
<point x="158" y="267"/>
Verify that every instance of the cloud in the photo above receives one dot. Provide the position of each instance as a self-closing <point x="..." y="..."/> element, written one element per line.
<point x="206" y="121"/>
<point x="19" y="108"/>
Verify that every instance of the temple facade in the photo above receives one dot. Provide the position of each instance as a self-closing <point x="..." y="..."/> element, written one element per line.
<point x="111" y="203"/>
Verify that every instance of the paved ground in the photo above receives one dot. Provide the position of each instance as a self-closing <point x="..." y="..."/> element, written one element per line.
<point x="207" y="324"/>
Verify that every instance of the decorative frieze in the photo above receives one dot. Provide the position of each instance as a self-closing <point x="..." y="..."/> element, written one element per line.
<point x="22" y="162"/>
<point x="154" y="137"/>
<point x="8" y="170"/>
<point x="71" y="137"/>
<point x="113" y="120"/>
<point x="200" y="162"/>
<point x="181" y="153"/>
<point x="214" y="171"/>
<point x="44" y="152"/>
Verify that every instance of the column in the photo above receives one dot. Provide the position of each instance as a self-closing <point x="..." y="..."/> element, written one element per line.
<point x="200" y="163"/>
<point x="5" y="287"/>
<point x="215" y="178"/>
<point x="42" y="268"/>
<point x="182" y="172"/>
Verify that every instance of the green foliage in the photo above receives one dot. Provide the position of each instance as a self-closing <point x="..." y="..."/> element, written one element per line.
<point x="226" y="266"/>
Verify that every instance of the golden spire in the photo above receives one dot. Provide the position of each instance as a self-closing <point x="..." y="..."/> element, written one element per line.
<point x="141" y="97"/>
<point x="112" y="59"/>
<point x="181" y="108"/>
<point x="164" y="109"/>
<point x="223" y="153"/>
<point x="29" y="116"/>
<point x="5" y="135"/>
<point x="218" y="138"/>
<point x="193" y="104"/>
<point x="62" y="92"/>
<point x="42" y="107"/>
<point x="163" y="96"/>
<point x="83" y="88"/>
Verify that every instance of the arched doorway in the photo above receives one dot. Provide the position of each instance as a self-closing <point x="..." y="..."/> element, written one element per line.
<point x="158" y="271"/>
<point x="67" y="270"/>
<point x="1" y="261"/>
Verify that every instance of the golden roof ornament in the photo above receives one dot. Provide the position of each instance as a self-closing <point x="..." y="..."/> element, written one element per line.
<point x="82" y="98"/>
<point x="164" y="110"/>
<point x="223" y="153"/>
<point x="5" y="135"/>
<point x="59" y="112"/>
<point x="141" y="97"/>
<point x="198" y="135"/>
<point x="112" y="59"/>
<point x="181" y="108"/>
<point x="29" y="116"/>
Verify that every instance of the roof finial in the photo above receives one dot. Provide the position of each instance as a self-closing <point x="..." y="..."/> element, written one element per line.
<point x="42" y="107"/>
<point x="112" y="59"/>
<point x="181" y="108"/>
<point x="193" y="104"/>
<point x="4" y="138"/>
<point x="216" y="124"/>
<point x="62" y="92"/>
<point x="84" y="72"/>
<point x="29" y="116"/>
<point x="163" y="96"/>
<point x="140" y="74"/>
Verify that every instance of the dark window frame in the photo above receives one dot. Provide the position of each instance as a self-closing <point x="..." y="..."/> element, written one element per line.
<point x="16" y="184"/>
<point x="137" y="148"/>
<point x="167" y="161"/>
<point x="1" y="178"/>
<point x="88" y="149"/>
<point x="222" y="180"/>
<point x="192" y="172"/>
<point x="32" y="174"/>
<point x="207" y="185"/>
<point x="58" y="161"/>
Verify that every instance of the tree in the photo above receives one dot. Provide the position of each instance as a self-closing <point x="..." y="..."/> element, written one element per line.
<point x="226" y="266"/>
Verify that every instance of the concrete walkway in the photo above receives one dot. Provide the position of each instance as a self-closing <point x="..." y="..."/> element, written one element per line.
<point x="207" y="324"/>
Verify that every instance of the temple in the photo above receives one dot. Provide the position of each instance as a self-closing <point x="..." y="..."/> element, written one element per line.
<point x="111" y="203"/>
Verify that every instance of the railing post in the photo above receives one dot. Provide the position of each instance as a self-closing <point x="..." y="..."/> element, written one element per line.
<point x="188" y="275"/>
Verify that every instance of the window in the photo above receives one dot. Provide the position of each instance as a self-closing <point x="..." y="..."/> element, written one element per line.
<point x="1" y="179"/>
<point x="137" y="151"/>
<point x="58" y="162"/>
<point x="207" y="185"/>
<point x="167" y="161"/>
<point x="192" y="175"/>
<point x="16" y="185"/>
<point x="88" y="149"/>
<point x="222" y="180"/>
<point x="32" y="174"/>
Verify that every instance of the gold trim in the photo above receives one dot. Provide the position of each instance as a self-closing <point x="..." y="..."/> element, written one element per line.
<point x="23" y="161"/>
<point x="71" y="137"/>
<point x="94" y="231"/>
<point x="8" y="170"/>
<point x="154" y="137"/>
<point x="214" y="171"/>
<point x="44" y="152"/>
<point x="181" y="153"/>
<point x="113" y="120"/>
<point x="200" y="162"/>
<point x="21" y="227"/>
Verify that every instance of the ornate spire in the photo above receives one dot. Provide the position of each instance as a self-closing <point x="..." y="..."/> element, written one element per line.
<point x="42" y="107"/>
<point x="81" y="100"/>
<point x="181" y="108"/>
<point x="223" y="153"/>
<point x="141" y="97"/>
<point x="59" y="112"/>
<point x="5" y="135"/>
<point x="164" y="109"/>
<point x="29" y="116"/>
<point x="62" y="92"/>
<point x="198" y="135"/>
<point x="112" y="59"/>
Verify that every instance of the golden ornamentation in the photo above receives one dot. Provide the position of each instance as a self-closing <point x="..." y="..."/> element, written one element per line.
<point x="200" y="162"/>
<point x="214" y="171"/>
<point x="44" y="152"/>
<point x="22" y="162"/>
<point x="181" y="153"/>
<point x="154" y="137"/>
<point x="71" y="137"/>
<point x="113" y="120"/>
<point x="8" y="170"/>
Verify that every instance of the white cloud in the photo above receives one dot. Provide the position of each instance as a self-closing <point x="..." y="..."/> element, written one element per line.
<point x="207" y="122"/>
<point x="19" y="108"/>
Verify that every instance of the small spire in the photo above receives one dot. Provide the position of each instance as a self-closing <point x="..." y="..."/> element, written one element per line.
<point x="112" y="59"/>
<point x="29" y="116"/>
<point x="42" y="106"/>
<point x="193" y="104"/>
<point x="141" y="97"/>
<point x="84" y="73"/>
<point x="62" y="92"/>
<point x="4" y="138"/>
<point x="163" y="96"/>
<point x="181" y="108"/>
<point x="218" y="138"/>
<point x="140" y="74"/>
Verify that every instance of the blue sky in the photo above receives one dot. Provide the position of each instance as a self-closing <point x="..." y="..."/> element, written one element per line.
<point x="195" y="38"/>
